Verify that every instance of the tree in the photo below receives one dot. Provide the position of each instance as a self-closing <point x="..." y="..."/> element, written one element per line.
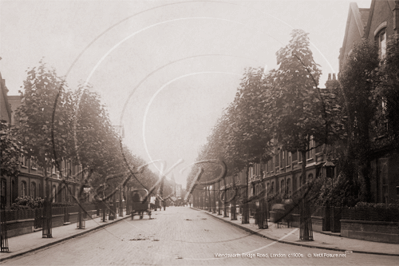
<point x="45" y="118"/>
<point x="359" y="79"/>
<point x="10" y="151"/>
<point x="296" y="111"/>
<point x="96" y="144"/>
<point x="248" y="138"/>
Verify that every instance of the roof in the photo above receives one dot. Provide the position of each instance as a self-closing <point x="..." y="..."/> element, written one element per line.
<point x="364" y="15"/>
<point x="360" y="18"/>
<point x="4" y="92"/>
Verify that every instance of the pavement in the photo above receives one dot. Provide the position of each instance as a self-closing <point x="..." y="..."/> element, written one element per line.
<point x="325" y="240"/>
<point x="22" y="244"/>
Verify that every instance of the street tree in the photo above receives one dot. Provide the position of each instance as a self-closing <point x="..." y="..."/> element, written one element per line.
<point x="248" y="138"/>
<point x="359" y="80"/>
<point x="10" y="151"/>
<point x="295" y="110"/>
<point x="45" y="118"/>
<point x="96" y="144"/>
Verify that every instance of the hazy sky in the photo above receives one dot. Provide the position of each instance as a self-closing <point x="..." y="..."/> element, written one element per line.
<point x="164" y="69"/>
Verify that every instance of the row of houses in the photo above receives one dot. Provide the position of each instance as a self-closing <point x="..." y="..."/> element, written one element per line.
<point x="282" y="174"/>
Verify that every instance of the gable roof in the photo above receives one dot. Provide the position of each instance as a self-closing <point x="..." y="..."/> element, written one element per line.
<point x="360" y="17"/>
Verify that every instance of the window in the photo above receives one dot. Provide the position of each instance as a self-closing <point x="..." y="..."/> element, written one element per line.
<point x="381" y="39"/>
<point x="33" y="163"/>
<point x="24" y="162"/>
<point x="289" y="187"/>
<point x="276" y="160"/>
<point x="54" y="192"/>
<point x="309" y="152"/>
<point x="288" y="159"/>
<point x="33" y="190"/>
<point x="310" y="177"/>
<point x="282" y="187"/>
<point x="23" y="189"/>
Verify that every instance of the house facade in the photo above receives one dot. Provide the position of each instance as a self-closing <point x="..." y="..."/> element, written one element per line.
<point x="381" y="24"/>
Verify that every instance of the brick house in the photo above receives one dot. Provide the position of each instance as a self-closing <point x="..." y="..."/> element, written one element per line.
<point x="376" y="24"/>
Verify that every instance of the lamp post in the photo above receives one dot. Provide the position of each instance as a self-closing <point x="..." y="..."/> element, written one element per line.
<point x="330" y="211"/>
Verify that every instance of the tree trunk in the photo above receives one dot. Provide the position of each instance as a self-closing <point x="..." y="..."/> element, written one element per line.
<point x="245" y="211"/>
<point x="305" y="232"/>
<point x="233" y="203"/>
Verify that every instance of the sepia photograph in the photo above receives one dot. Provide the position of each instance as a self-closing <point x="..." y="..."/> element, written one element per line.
<point x="199" y="132"/>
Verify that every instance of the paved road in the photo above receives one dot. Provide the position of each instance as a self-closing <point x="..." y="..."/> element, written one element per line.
<point x="182" y="236"/>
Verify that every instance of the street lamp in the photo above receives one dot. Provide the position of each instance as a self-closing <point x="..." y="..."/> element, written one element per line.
<point x="329" y="166"/>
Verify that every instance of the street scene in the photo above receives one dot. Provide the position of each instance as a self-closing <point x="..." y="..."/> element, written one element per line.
<point x="199" y="132"/>
<point x="183" y="236"/>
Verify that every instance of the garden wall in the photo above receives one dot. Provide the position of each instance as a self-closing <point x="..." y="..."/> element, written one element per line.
<point x="387" y="232"/>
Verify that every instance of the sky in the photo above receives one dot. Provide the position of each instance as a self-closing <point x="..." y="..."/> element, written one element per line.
<point x="165" y="70"/>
